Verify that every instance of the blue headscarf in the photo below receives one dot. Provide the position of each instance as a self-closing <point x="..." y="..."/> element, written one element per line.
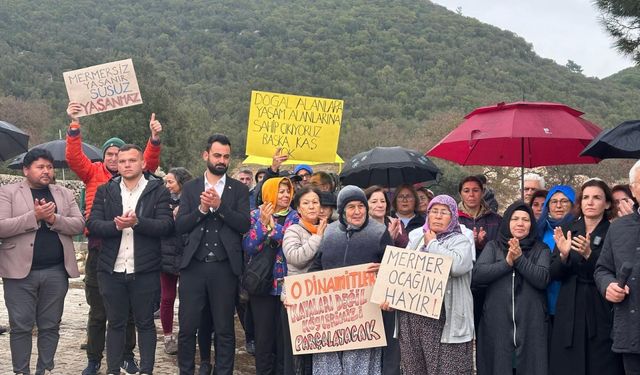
<point x="545" y="222"/>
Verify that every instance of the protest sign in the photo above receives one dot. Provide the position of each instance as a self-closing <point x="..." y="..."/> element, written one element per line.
<point x="104" y="87"/>
<point x="306" y="128"/>
<point x="413" y="281"/>
<point x="330" y="311"/>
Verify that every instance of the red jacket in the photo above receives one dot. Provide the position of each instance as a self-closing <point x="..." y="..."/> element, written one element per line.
<point x="94" y="174"/>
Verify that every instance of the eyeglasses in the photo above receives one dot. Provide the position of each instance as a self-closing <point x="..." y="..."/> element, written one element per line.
<point x="406" y="197"/>
<point x="439" y="212"/>
<point x="555" y="202"/>
<point x="304" y="176"/>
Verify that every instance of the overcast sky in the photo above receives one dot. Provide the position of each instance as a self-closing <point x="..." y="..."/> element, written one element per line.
<point x="558" y="29"/>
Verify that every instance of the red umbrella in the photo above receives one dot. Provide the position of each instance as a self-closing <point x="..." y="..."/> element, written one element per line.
<point x="520" y="134"/>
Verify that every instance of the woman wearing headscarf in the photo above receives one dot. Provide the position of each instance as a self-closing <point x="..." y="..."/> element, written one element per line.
<point x="442" y="346"/>
<point x="352" y="240"/>
<point x="580" y="339"/>
<point x="512" y="336"/>
<point x="171" y="250"/>
<point x="268" y="225"/>
<point x="556" y="212"/>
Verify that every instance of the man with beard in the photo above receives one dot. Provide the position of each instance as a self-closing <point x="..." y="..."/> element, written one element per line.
<point x="214" y="213"/>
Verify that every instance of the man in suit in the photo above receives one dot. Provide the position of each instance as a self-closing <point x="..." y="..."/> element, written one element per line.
<point x="130" y="214"/>
<point x="37" y="222"/>
<point x="214" y="213"/>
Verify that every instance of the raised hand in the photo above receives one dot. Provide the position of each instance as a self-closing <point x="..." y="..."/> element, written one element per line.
<point x="394" y="227"/>
<point x="126" y="220"/>
<point x="44" y="210"/>
<point x="428" y="236"/>
<point x="155" y="126"/>
<point x="266" y="213"/>
<point x="209" y="199"/>
<point x="322" y="225"/>
<point x="582" y="245"/>
<point x="73" y="110"/>
<point x="563" y="243"/>
<point x="278" y="159"/>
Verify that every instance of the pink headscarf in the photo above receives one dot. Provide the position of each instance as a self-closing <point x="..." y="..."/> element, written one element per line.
<point x="454" y="224"/>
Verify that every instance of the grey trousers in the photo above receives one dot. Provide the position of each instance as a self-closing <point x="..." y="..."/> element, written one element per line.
<point x="37" y="299"/>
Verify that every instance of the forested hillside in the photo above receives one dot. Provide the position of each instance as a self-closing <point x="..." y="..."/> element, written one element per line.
<point x="407" y="70"/>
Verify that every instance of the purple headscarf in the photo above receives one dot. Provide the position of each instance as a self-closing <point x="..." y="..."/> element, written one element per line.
<point x="454" y="224"/>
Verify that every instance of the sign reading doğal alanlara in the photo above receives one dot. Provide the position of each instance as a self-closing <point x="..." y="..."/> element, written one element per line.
<point x="330" y="311"/>
<point x="104" y="87"/>
<point x="412" y="280"/>
<point x="305" y="128"/>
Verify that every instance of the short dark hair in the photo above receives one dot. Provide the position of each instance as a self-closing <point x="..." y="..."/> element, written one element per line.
<point x="302" y="191"/>
<point x="368" y="192"/>
<point x="35" y="154"/>
<point x="470" y="179"/>
<point x="131" y="146"/>
<point x="220" y="138"/>
<point x="542" y="193"/>
<point x="246" y="171"/>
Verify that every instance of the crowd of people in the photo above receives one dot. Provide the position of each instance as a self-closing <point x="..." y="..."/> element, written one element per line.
<point x="550" y="286"/>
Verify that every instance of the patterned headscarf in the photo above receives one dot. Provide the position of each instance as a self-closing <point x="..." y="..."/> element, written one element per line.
<point x="454" y="225"/>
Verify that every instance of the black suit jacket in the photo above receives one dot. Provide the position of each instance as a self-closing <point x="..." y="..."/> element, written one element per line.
<point x="233" y="210"/>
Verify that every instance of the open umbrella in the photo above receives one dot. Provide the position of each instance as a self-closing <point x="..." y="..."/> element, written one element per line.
<point x="12" y="141"/>
<point x="57" y="149"/>
<point x="620" y="142"/>
<point x="520" y="134"/>
<point x="389" y="167"/>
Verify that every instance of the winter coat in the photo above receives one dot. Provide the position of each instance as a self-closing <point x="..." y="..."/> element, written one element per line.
<point x="514" y="312"/>
<point x="259" y="236"/>
<point x="621" y="245"/>
<point x="486" y="219"/>
<point x="155" y="220"/>
<point x="580" y="339"/>
<point x="94" y="174"/>
<point x="299" y="247"/>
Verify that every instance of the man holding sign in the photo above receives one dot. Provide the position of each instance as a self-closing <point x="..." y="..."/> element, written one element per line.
<point x="94" y="174"/>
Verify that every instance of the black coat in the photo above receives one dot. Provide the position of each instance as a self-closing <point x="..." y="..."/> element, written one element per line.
<point x="155" y="220"/>
<point x="524" y="286"/>
<point x="622" y="244"/>
<point x="233" y="211"/>
<point x="580" y="340"/>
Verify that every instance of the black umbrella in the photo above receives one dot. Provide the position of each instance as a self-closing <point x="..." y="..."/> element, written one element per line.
<point x="389" y="167"/>
<point x="12" y="141"/>
<point x="57" y="149"/>
<point x="620" y="142"/>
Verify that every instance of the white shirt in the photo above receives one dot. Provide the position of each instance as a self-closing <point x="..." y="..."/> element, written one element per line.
<point x="125" y="259"/>
<point x="219" y="186"/>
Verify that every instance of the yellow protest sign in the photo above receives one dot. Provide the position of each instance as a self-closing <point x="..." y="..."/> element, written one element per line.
<point x="104" y="87"/>
<point x="412" y="280"/>
<point x="330" y="311"/>
<point x="306" y="128"/>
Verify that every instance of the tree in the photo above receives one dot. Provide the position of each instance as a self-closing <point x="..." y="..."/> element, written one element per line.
<point x="573" y="67"/>
<point x="621" y="19"/>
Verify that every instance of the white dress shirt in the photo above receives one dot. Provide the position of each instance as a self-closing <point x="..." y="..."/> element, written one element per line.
<point x="125" y="260"/>
<point x="219" y="186"/>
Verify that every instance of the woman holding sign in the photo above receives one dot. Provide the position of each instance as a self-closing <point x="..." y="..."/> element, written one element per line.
<point x="512" y="337"/>
<point x="442" y="346"/>
<point x="300" y="245"/>
<point x="268" y="224"/>
<point x="352" y="240"/>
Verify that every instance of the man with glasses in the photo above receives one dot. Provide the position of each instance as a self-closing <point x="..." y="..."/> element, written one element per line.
<point x="304" y="172"/>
